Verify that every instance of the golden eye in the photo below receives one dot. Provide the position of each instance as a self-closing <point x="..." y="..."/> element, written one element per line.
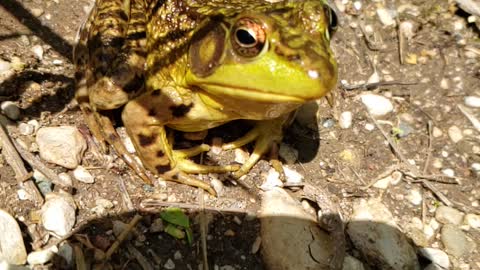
<point x="248" y="37"/>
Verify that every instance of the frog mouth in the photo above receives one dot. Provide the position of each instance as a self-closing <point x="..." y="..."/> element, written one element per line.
<point x="253" y="94"/>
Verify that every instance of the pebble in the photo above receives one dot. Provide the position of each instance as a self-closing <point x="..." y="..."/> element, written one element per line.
<point x="328" y="123"/>
<point x="436" y="256"/>
<point x="58" y="213"/>
<point x="83" y="175"/>
<point x="436" y="132"/>
<point x="288" y="153"/>
<point x="23" y="195"/>
<point x="369" y="126"/>
<point x="216" y="145"/>
<point x="66" y="179"/>
<point x="177" y="255"/>
<point x="444" y="84"/>
<point x="472" y="101"/>
<point x="37" y="12"/>
<point x="377" y="105"/>
<point x="66" y="253"/>
<point x="455" y="241"/>
<point x="345" y="120"/>
<point x="391" y="249"/>
<point x="256" y="245"/>
<point x="26" y="129"/>
<point x="407" y="29"/>
<point x="63" y="145"/>
<point x="352" y="263"/>
<point x="41" y="256"/>
<point x="101" y="206"/>
<point x="415" y="196"/>
<point x="4" y="66"/>
<point x="157" y="225"/>
<point x="273" y="180"/>
<point x="241" y="156"/>
<point x="37" y="51"/>
<point x="292" y="176"/>
<point x="448" y="215"/>
<point x="386" y="16"/>
<point x="455" y="134"/>
<point x="169" y="264"/>
<point x="448" y="172"/>
<point x="217" y="185"/>
<point x="12" y="248"/>
<point x="472" y="220"/>
<point x="10" y="109"/>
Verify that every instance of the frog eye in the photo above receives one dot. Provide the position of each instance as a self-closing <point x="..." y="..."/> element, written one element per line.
<point x="248" y="38"/>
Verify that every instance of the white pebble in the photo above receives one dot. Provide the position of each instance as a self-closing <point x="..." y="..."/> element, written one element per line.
<point x="345" y="120"/>
<point x="41" y="256"/>
<point x="415" y="196"/>
<point x="57" y="62"/>
<point x="377" y="105"/>
<point x="292" y="176"/>
<point x="369" y="126"/>
<point x="475" y="167"/>
<point x="406" y="28"/>
<point x="217" y="185"/>
<point x="66" y="179"/>
<point x="83" y="175"/>
<point x="26" y="129"/>
<point x="62" y="145"/>
<point x="472" y="101"/>
<point x="436" y="132"/>
<point x="472" y="220"/>
<point x="37" y="51"/>
<point x="10" y="109"/>
<point x="169" y="264"/>
<point x="12" y="248"/>
<point x="436" y="256"/>
<point x="357" y="5"/>
<point x="23" y="195"/>
<point x="455" y="134"/>
<point x="58" y="213"/>
<point x="273" y="180"/>
<point x="444" y="84"/>
<point x="241" y="155"/>
<point x="4" y="66"/>
<point x="448" y="172"/>
<point x="386" y="16"/>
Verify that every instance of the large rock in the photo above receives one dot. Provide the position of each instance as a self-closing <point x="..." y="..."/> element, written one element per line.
<point x="377" y="237"/>
<point x="63" y="145"/>
<point x="12" y="248"/>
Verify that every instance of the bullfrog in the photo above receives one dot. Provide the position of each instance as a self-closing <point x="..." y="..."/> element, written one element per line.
<point x="192" y="65"/>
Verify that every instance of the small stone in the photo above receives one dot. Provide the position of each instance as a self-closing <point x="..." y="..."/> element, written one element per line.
<point x="472" y="220"/>
<point x="82" y="175"/>
<point x="345" y="120"/>
<point x="26" y="129"/>
<point x="37" y="51"/>
<point x="229" y="233"/>
<point x="63" y="145"/>
<point x="57" y="62"/>
<point x="455" y="134"/>
<point x="256" y="245"/>
<point x="369" y="127"/>
<point x="216" y="145"/>
<point x="444" y="84"/>
<point x="386" y="16"/>
<point x="436" y="132"/>
<point x="157" y="225"/>
<point x="23" y="195"/>
<point x="377" y="105"/>
<point x="101" y="206"/>
<point x="12" y="248"/>
<point x="472" y="101"/>
<point x="415" y="196"/>
<point x="177" y="255"/>
<point x="436" y="256"/>
<point x="41" y="256"/>
<point x="407" y="29"/>
<point x="293" y="177"/>
<point x="357" y="5"/>
<point x="169" y="265"/>
<point x="37" y="12"/>
<point x="455" y="241"/>
<point x="237" y="220"/>
<point x="10" y="109"/>
<point x="66" y="179"/>
<point x="4" y="66"/>
<point x="448" y="215"/>
<point x="58" y="213"/>
<point x="448" y="172"/>
<point x="66" y="253"/>
<point x="273" y="180"/>
<point x="217" y="185"/>
<point x="241" y="156"/>
<point x="352" y="263"/>
<point x="288" y="153"/>
<point x="328" y="123"/>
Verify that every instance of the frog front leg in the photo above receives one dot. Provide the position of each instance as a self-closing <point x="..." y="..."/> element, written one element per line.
<point x="145" y="119"/>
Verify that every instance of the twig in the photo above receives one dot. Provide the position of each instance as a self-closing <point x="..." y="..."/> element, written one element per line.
<point x="401" y="42"/>
<point x="122" y="236"/>
<point x="203" y="229"/>
<point x="153" y="205"/>
<point x="38" y="165"/>
<point x="374" y="85"/>
<point x="125" y="196"/>
<point x="142" y="260"/>
<point x="475" y="122"/>
<point x="429" y="150"/>
<point x="13" y="159"/>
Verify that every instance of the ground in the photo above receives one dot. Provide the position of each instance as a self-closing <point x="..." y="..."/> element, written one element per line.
<point x="440" y="68"/>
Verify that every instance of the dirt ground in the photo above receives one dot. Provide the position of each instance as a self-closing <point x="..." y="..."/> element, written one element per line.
<point x="441" y="66"/>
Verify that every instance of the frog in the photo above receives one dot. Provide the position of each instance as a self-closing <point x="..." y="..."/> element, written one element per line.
<point x="193" y="65"/>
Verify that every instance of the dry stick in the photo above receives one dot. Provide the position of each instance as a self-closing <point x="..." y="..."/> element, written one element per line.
<point x="153" y="205"/>
<point x="14" y="160"/>
<point x="401" y="43"/>
<point x="412" y="168"/>
<point x="122" y="236"/>
<point x="38" y="165"/>
<point x="429" y="151"/>
<point x="125" y="196"/>
<point x="203" y="228"/>
<point x="142" y="260"/>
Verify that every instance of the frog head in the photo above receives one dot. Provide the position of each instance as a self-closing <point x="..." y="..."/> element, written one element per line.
<point x="275" y="53"/>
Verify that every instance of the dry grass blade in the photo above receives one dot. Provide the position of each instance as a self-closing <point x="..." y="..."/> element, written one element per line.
<point x="122" y="236"/>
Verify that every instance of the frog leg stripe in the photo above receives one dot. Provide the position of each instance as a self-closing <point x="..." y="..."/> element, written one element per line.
<point x="145" y="140"/>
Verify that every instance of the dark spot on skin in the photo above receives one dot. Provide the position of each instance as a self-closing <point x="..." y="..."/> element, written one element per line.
<point x="152" y="112"/>
<point x="156" y="92"/>
<point x="160" y="153"/>
<point x="180" y="110"/>
<point x="175" y="177"/>
<point x="162" y="168"/>
<point x="137" y="35"/>
<point x="135" y="84"/>
<point x="146" y="140"/>
<point x="78" y="75"/>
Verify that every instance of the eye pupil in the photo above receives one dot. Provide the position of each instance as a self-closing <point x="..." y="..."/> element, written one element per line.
<point x="245" y="38"/>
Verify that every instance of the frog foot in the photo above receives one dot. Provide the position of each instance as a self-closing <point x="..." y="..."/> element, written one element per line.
<point x="265" y="134"/>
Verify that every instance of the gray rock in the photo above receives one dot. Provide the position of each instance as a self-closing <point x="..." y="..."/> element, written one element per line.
<point x="455" y="241"/>
<point x="345" y="120"/>
<point x="26" y="129"/>
<point x="281" y="218"/>
<point x="376" y="236"/>
<point x="436" y="256"/>
<point x="58" y="213"/>
<point x="352" y="263"/>
<point x="12" y="248"/>
<point x="63" y="145"/>
<point x="169" y="264"/>
<point x="83" y="175"/>
<point x="10" y="109"/>
<point x="377" y="105"/>
<point x="288" y="153"/>
<point x="41" y="256"/>
<point x="66" y="253"/>
<point x="448" y="215"/>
